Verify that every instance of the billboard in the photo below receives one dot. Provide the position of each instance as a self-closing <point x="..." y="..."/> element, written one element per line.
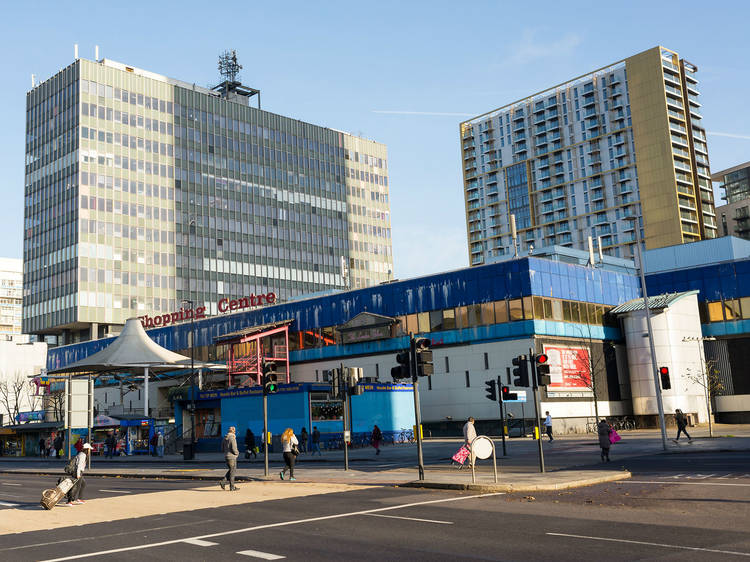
<point x="570" y="369"/>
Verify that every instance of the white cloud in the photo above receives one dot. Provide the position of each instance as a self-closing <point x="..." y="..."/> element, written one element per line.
<point x="430" y="113"/>
<point x="730" y="135"/>
<point x="532" y="47"/>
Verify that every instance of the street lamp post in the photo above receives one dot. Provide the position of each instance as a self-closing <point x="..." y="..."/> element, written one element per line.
<point x="704" y="372"/>
<point x="654" y="368"/>
<point x="192" y="376"/>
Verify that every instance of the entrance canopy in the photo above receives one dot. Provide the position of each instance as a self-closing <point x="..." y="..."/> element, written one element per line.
<point x="132" y="349"/>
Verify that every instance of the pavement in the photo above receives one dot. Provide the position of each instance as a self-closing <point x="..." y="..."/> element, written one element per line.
<point x="571" y="461"/>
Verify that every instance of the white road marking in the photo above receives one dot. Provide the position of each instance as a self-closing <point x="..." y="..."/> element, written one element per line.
<point x="11" y="496"/>
<point x="259" y="554"/>
<point x="99" y="537"/>
<point x="678" y="546"/>
<point x="117" y="491"/>
<point x="198" y="542"/>
<point x="409" y="518"/>
<point x="6" y="504"/>
<point x="11" y="484"/>
<point x="272" y="525"/>
<point x="680" y="483"/>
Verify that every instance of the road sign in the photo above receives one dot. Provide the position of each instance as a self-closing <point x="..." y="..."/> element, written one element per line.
<point x="520" y="396"/>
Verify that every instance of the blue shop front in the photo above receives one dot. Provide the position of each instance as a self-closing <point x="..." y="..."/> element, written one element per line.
<point x="390" y="406"/>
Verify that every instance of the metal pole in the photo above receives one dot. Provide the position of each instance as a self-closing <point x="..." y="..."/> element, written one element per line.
<point x="88" y="417"/>
<point x="654" y="368"/>
<point x="345" y="416"/>
<point x="417" y="413"/>
<point x="193" y="439"/>
<point x="494" y="459"/>
<point x="68" y="416"/>
<point x="145" y="392"/>
<point x="502" y="415"/>
<point x="265" y="433"/>
<point x="705" y="385"/>
<point x="537" y="427"/>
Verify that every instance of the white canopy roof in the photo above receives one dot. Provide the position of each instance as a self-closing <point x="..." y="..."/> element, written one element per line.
<point x="132" y="349"/>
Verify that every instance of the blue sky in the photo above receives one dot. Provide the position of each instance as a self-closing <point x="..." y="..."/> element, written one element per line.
<point x="402" y="73"/>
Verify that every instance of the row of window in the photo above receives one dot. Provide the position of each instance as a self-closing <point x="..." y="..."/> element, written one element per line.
<point x="484" y="314"/>
<point x="725" y="310"/>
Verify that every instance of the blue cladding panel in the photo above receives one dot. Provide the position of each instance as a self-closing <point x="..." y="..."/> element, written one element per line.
<point x="504" y="280"/>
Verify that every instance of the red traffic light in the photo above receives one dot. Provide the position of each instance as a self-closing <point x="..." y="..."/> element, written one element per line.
<point x="542" y="358"/>
<point x="663" y="370"/>
<point x="506" y="390"/>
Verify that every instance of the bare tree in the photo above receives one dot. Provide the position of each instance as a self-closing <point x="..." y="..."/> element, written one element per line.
<point x="591" y="366"/>
<point x="11" y="393"/>
<point x="711" y="383"/>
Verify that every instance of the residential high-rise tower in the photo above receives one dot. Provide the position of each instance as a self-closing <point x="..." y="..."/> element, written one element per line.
<point x="582" y="158"/>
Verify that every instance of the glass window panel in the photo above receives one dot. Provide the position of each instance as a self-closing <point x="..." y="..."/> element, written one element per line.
<point x="557" y="310"/>
<point x="423" y="322"/>
<point x="449" y="319"/>
<point x="474" y="313"/>
<point x="501" y="311"/>
<point x="488" y="313"/>
<point x="436" y="320"/>
<point x="566" y="311"/>
<point x="575" y="314"/>
<point x="538" y="307"/>
<point x="461" y="321"/>
<point x="528" y="309"/>
<point x="411" y="323"/>
<point x="515" y="307"/>
<point x="745" y="307"/>
<point x="548" y="309"/>
<point x="599" y="315"/>
<point x="732" y="309"/>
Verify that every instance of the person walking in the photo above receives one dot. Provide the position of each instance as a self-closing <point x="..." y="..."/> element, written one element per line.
<point x="289" y="445"/>
<point x="604" y="429"/>
<point x="78" y="445"/>
<point x="229" y="448"/>
<point x="58" y="444"/>
<point x="303" y="440"/>
<point x="548" y="425"/>
<point x="111" y="443"/>
<point x="250" y="444"/>
<point x="470" y="433"/>
<point x="316" y="442"/>
<point x="75" y="494"/>
<point x="377" y="437"/>
<point x="48" y="446"/>
<point x="42" y="446"/>
<point x="160" y="444"/>
<point x="681" y="421"/>
<point x="154" y="440"/>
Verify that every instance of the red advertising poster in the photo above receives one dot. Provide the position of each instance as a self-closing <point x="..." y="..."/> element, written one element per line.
<point x="569" y="368"/>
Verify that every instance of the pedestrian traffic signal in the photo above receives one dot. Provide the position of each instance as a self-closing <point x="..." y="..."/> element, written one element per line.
<point x="270" y="376"/>
<point x="541" y="362"/>
<point x="491" y="389"/>
<point x="403" y="369"/>
<point x="506" y="394"/>
<point x="520" y="371"/>
<point x="424" y="357"/>
<point x="666" y="384"/>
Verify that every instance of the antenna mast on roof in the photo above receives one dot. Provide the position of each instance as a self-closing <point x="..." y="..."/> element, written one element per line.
<point x="229" y="68"/>
<point x="231" y="88"/>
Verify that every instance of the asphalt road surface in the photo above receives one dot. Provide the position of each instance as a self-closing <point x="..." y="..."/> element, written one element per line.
<point x="21" y="490"/>
<point x="686" y="507"/>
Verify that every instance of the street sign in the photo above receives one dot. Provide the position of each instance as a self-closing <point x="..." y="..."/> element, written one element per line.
<point x="348" y="436"/>
<point x="520" y="396"/>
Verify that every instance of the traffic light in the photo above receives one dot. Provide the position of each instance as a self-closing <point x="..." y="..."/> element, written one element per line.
<point x="270" y="376"/>
<point x="520" y="371"/>
<point x="542" y="370"/>
<point x="506" y="394"/>
<point x="424" y="357"/>
<point x="403" y="369"/>
<point x="491" y="389"/>
<point x="666" y="384"/>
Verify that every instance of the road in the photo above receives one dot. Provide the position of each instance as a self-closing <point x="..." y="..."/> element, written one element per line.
<point x="687" y="507"/>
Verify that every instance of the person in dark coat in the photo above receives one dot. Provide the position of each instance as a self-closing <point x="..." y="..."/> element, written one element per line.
<point x="603" y="429"/>
<point x="303" y="440"/>
<point x="681" y="422"/>
<point x="250" y="444"/>
<point x="229" y="448"/>
<point x="376" y="438"/>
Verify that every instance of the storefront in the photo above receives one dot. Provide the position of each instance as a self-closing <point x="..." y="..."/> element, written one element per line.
<point x="26" y="436"/>
<point x="135" y="435"/>
<point x="103" y="427"/>
<point x="10" y="443"/>
<point x="308" y="405"/>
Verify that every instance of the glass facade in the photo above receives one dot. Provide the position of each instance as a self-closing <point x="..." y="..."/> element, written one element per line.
<point x="144" y="191"/>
